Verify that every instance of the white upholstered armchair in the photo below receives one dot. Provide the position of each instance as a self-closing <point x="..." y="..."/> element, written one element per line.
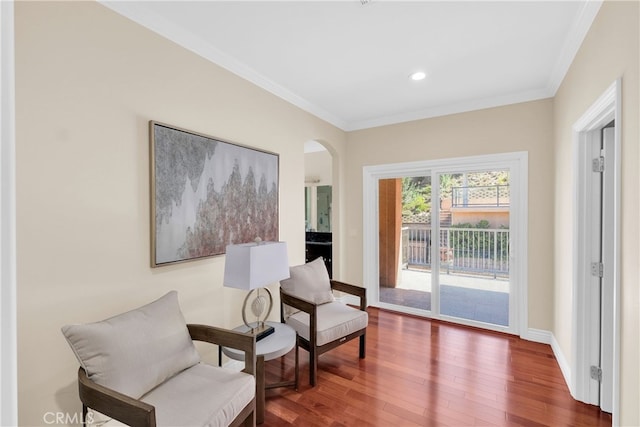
<point x="322" y="322"/>
<point x="141" y="368"/>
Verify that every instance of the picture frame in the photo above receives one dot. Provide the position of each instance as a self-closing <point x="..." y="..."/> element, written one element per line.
<point x="207" y="193"/>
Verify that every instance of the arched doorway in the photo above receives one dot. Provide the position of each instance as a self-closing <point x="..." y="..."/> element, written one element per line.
<point x="319" y="203"/>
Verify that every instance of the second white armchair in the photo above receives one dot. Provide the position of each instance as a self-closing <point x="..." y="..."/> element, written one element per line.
<point x="322" y="322"/>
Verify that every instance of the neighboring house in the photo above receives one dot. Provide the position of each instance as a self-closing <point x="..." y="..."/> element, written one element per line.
<point x="88" y="80"/>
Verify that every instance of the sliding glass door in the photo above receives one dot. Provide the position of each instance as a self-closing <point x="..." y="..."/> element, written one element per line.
<point x="448" y="237"/>
<point x="474" y="246"/>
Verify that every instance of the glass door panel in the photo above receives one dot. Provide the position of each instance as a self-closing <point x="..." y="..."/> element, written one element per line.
<point x="474" y="246"/>
<point x="405" y="242"/>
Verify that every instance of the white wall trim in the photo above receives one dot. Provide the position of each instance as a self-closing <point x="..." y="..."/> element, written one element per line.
<point x="8" y="329"/>
<point x="606" y="108"/>
<point x="537" y="335"/>
<point x="449" y="109"/>
<point x="573" y="42"/>
<point x="184" y="37"/>
<point x="521" y="273"/>
<point x="137" y="12"/>
<point x="546" y="337"/>
<point x="565" y="367"/>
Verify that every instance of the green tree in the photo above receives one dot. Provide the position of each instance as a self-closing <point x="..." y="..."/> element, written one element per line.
<point x="416" y="195"/>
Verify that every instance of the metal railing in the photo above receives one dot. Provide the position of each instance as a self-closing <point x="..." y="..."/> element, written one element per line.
<point x="480" y="196"/>
<point x="462" y="250"/>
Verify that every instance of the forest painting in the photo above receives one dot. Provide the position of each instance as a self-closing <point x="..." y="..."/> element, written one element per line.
<point x="207" y="194"/>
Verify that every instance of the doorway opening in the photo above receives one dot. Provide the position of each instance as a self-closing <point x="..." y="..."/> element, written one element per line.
<point x="318" y="196"/>
<point x="449" y="239"/>
<point x="596" y="285"/>
<point x="472" y="248"/>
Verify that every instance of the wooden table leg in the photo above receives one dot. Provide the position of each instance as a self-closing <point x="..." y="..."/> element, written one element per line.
<point x="260" y="390"/>
<point x="296" y="365"/>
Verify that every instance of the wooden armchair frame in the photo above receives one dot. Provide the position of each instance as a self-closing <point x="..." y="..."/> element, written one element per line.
<point x="134" y="412"/>
<point x="308" y="307"/>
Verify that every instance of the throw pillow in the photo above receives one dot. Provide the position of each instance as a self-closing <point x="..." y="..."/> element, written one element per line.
<point x="309" y="282"/>
<point x="135" y="351"/>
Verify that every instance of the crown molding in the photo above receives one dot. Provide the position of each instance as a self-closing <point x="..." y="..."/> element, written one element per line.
<point x="137" y="12"/>
<point x="141" y="15"/>
<point x="446" y="110"/>
<point x="573" y="42"/>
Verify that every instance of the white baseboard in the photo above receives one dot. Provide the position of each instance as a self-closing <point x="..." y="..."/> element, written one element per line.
<point x="546" y="337"/>
<point x="564" y="364"/>
<point x="537" y="335"/>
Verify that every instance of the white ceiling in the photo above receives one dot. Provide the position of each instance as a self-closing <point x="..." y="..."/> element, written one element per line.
<point x="349" y="63"/>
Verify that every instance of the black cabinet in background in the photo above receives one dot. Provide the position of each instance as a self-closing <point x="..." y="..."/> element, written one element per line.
<point x="319" y="244"/>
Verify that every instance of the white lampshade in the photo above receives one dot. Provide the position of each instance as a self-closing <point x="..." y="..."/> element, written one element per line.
<point x="255" y="265"/>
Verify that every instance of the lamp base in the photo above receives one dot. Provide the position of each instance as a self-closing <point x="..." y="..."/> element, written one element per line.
<point x="262" y="331"/>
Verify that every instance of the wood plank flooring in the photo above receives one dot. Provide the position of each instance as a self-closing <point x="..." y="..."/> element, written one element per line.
<point x="420" y="372"/>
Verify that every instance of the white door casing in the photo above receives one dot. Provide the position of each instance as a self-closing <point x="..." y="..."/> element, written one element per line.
<point x="608" y="250"/>
<point x="586" y="333"/>
<point x="8" y="328"/>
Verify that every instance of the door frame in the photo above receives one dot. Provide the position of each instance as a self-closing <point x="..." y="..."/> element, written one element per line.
<point x="517" y="163"/>
<point x="8" y="288"/>
<point x="585" y="333"/>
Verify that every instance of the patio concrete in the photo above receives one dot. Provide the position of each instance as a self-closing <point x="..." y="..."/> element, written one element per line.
<point x="420" y="280"/>
<point x="464" y="296"/>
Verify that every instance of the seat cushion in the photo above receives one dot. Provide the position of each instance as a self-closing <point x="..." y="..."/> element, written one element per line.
<point x="202" y="395"/>
<point x="135" y="351"/>
<point x="309" y="282"/>
<point x="335" y="320"/>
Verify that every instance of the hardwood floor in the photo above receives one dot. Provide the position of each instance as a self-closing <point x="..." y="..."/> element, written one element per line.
<point x="420" y="372"/>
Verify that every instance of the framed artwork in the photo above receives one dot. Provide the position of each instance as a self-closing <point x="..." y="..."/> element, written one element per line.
<point x="206" y="194"/>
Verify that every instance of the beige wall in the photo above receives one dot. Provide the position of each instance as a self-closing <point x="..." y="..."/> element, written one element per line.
<point x="318" y="165"/>
<point x="609" y="51"/>
<point x="87" y="83"/>
<point x="497" y="217"/>
<point x="520" y="127"/>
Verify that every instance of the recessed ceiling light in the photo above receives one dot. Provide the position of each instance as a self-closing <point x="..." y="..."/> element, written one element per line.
<point x="418" y="75"/>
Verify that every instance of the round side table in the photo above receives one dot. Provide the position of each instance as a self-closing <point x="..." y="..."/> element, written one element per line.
<point x="279" y="343"/>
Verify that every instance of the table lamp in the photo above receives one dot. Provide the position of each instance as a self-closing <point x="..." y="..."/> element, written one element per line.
<point x="253" y="266"/>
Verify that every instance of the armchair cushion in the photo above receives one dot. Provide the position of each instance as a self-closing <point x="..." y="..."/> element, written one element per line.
<point x="309" y="282"/>
<point x="135" y="351"/>
<point x="199" y="396"/>
<point x="335" y="320"/>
